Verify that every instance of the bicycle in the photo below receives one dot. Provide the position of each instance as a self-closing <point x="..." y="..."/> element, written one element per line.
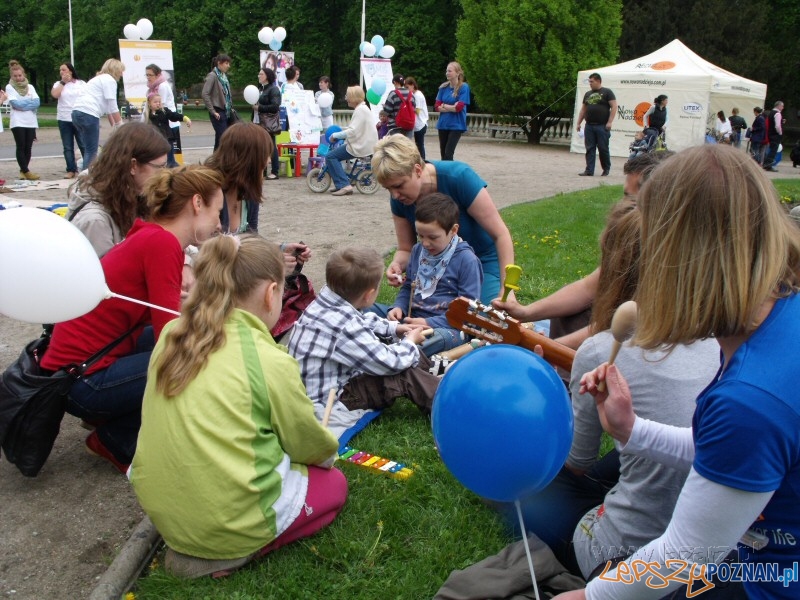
<point x="360" y="175"/>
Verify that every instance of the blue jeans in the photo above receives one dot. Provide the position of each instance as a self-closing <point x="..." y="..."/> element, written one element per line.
<point x="219" y="125"/>
<point x="274" y="162"/>
<point x="596" y="137"/>
<point x="419" y="140"/>
<point x="69" y="136"/>
<point x="335" y="167"/>
<point x="112" y="399"/>
<point x="88" y="130"/>
<point x="443" y="338"/>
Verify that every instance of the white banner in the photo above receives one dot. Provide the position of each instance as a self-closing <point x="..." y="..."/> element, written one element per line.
<point x="136" y="55"/>
<point x="377" y="68"/>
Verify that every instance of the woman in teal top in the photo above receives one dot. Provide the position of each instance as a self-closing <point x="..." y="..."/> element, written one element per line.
<point x="400" y="169"/>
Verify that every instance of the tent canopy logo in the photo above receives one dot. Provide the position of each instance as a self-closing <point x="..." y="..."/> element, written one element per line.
<point x="662" y="65"/>
<point x="635" y="114"/>
<point x="692" y="108"/>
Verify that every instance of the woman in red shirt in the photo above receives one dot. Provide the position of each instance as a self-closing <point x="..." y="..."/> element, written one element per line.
<point x="184" y="205"/>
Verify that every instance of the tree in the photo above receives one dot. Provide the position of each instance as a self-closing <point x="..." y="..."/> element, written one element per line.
<point x="522" y="56"/>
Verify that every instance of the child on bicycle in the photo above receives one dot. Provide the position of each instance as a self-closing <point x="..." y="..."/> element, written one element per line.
<point x="360" y="138"/>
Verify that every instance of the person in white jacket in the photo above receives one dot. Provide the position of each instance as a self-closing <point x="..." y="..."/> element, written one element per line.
<point x="360" y="138"/>
<point x="24" y="101"/>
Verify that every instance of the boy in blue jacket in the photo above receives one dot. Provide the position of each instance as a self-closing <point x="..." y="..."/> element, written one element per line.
<point x="442" y="267"/>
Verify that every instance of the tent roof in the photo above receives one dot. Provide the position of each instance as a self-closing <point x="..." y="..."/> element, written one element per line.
<point x="677" y="59"/>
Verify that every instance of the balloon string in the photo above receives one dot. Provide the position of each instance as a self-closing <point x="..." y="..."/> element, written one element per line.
<point x="527" y="548"/>
<point x="143" y="303"/>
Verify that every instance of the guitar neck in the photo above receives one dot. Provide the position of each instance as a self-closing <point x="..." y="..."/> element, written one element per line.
<point x="556" y="354"/>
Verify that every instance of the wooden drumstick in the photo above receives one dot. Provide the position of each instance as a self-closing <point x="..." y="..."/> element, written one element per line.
<point x="411" y="298"/>
<point x="623" y="324"/>
<point x="329" y="407"/>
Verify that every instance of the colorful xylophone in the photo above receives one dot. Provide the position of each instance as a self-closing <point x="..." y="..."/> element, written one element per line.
<point x="375" y="463"/>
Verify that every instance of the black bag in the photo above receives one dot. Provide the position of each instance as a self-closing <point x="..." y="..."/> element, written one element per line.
<point x="234" y="118"/>
<point x="32" y="405"/>
<point x="33" y="402"/>
<point x="271" y="121"/>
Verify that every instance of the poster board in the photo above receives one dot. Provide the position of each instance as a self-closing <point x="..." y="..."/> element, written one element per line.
<point x="377" y="68"/>
<point x="136" y="55"/>
<point x="277" y="61"/>
<point x="305" y="124"/>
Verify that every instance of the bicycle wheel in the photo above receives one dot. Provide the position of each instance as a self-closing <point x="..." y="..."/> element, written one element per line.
<point x="318" y="180"/>
<point x="366" y="182"/>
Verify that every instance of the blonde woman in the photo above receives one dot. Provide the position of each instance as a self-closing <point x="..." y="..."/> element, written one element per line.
<point x="720" y="259"/>
<point x="452" y="100"/>
<point x="184" y="206"/>
<point x="226" y="419"/>
<point x="360" y="137"/>
<point x="98" y="98"/>
<point x="401" y="170"/>
<point x="24" y="101"/>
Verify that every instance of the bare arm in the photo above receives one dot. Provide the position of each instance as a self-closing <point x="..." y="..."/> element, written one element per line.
<point x="405" y="241"/>
<point x="58" y="87"/>
<point x="612" y="104"/>
<point x="569" y="300"/>
<point x="485" y="213"/>
<point x="581" y="116"/>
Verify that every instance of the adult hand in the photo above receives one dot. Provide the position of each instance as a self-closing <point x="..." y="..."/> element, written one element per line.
<point x="416" y="322"/>
<point x="299" y="252"/>
<point x="608" y="126"/>
<point x="614" y="406"/>
<point x="395" y="275"/>
<point x="338" y="135"/>
<point x="216" y="116"/>
<point x="578" y="127"/>
<point x="395" y="314"/>
<point x="511" y="306"/>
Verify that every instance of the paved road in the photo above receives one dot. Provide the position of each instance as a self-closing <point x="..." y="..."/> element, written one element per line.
<point x="47" y="149"/>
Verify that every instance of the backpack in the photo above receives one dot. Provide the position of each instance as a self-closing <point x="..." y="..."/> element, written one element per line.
<point x="406" y="115"/>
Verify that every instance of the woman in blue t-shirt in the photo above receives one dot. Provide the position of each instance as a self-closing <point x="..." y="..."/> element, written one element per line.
<point x="400" y="169"/>
<point x="451" y="104"/>
<point x="720" y="258"/>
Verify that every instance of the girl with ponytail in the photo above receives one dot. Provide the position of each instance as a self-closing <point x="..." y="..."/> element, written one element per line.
<point x="184" y="206"/>
<point x="226" y="419"/>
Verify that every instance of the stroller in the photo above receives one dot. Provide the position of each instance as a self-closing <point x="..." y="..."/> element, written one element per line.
<point x="653" y="141"/>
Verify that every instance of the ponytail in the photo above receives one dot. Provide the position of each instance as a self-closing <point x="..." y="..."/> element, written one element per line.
<point x="227" y="270"/>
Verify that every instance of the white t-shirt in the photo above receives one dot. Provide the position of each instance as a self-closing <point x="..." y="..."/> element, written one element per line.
<point x="22" y="118"/>
<point x="422" y="111"/>
<point x="99" y="97"/>
<point x="66" y="101"/>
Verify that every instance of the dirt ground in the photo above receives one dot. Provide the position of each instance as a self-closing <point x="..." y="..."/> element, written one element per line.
<point x="62" y="529"/>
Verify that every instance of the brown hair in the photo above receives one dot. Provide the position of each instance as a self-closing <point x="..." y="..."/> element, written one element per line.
<point x="437" y="208"/>
<point x="352" y="271"/>
<point x="241" y="158"/>
<point x="227" y="270"/>
<point x="716" y="244"/>
<point x="169" y="190"/>
<point x="619" y="263"/>
<point x="410" y="81"/>
<point x="109" y="180"/>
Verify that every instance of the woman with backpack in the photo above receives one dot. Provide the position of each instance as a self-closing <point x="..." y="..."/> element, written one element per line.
<point x="451" y="104"/>
<point x="401" y="108"/>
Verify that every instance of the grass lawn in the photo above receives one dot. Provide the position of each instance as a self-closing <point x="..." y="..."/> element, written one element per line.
<point x="400" y="539"/>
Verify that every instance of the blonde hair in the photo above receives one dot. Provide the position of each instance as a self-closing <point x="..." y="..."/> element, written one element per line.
<point x="168" y="191"/>
<point x="460" y="73"/>
<point x="147" y="111"/>
<point x="112" y="67"/>
<point x="355" y="92"/>
<point x="226" y="271"/>
<point x="13" y="65"/>
<point x="395" y="156"/>
<point x="352" y="271"/>
<point x="716" y="244"/>
<point x="619" y="262"/>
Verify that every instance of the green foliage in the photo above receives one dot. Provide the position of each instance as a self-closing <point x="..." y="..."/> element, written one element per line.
<point x="526" y="62"/>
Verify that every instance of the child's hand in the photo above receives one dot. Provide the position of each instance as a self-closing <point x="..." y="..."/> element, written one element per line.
<point x="395" y="275"/>
<point x="396" y="314"/>
<point x="416" y="322"/>
<point x="411" y="332"/>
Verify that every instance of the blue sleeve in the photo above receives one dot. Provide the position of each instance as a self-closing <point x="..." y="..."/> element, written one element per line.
<point x="25" y="103"/>
<point x="744" y="437"/>
<point x="469" y="279"/>
<point x="440" y="94"/>
<point x="463" y="93"/>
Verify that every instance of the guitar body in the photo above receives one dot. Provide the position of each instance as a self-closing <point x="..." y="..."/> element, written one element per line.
<point x="496" y="327"/>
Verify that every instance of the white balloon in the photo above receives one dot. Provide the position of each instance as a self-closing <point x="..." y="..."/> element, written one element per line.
<point x="325" y="100"/>
<point x="280" y="34"/>
<point x="369" y="49"/>
<point x="251" y="94"/>
<point x="50" y="271"/>
<point x="387" y="52"/>
<point x="265" y="35"/>
<point x="131" y="32"/>
<point x="145" y="28"/>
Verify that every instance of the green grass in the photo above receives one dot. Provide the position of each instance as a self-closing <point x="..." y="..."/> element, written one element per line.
<point x="401" y="539"/>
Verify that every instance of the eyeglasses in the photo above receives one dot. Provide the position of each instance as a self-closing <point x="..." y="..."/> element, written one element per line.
<point x="158" y="165"/>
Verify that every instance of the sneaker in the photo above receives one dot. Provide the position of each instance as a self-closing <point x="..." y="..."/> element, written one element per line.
<point x="345" y="191"/>
<point x="30" y="176"/>
<point x="585" y="174"/>
<point x="604" y="173"/>
<point x="272" y="176"/>
<point x="191" y="567"/>
<point x="96" y="447"/>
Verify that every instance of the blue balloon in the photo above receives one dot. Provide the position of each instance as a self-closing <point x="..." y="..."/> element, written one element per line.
<point x="329" y="131"/>
<point x="502" y="421"/>
<point x="378" y="86"/>
<point x="377" y="41"/>
<point x="275" y="45"/>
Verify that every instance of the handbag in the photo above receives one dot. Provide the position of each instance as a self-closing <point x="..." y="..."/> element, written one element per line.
<point x="272" y="121"/>
<point x="234" y="118"/>
<point x="33" y="402"/>
<point x="298" y="293"/>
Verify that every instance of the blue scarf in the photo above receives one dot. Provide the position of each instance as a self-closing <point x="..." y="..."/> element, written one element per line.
<point x="226" y="89"/>
<point x="431" y="268"/>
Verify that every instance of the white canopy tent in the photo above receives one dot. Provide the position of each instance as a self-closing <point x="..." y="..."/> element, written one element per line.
<point x="697" y="90"/>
